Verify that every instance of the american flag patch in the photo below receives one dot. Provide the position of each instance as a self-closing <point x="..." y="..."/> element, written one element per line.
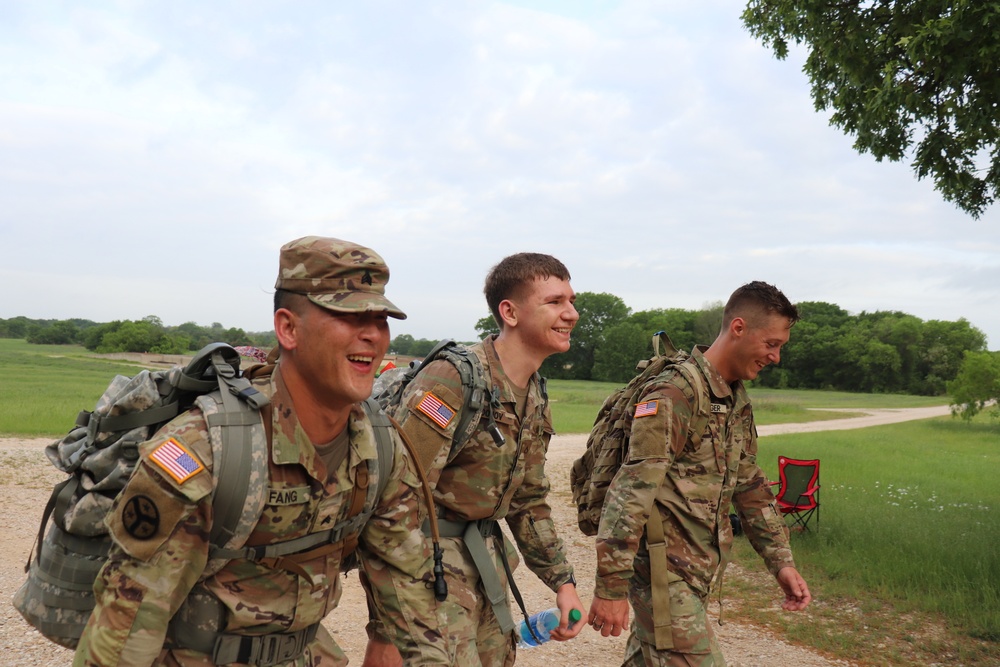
<point x="436" y="409"/>
<point x="176" y="460"/>
<point x="647" y="409"/>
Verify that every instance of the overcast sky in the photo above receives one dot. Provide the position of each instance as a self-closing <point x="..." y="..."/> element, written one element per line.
<point x="155" y="155"/>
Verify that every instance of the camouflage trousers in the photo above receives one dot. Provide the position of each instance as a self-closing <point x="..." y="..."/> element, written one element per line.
<point x="695" y="644"/>
<point x="462" y="630"/>
<point x="473" y="629"/>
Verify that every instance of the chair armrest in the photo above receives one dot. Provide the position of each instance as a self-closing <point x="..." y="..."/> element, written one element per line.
<point x="811" y="490"/>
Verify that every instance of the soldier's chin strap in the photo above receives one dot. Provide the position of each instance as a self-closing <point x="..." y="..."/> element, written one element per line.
<point x="440" y="585"/>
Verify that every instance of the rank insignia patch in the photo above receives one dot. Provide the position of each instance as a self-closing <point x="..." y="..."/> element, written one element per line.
<point x="647" y="409"/>
<point x="436" y="409"/>
<point x="176" y="461"/>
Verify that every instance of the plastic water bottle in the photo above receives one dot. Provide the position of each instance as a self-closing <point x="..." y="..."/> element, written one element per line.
<point x="543" y="623"/>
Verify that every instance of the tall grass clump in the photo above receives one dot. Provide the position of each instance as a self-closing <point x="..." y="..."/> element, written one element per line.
<point x="910" y="513"/>
<point x="43" y="387"/>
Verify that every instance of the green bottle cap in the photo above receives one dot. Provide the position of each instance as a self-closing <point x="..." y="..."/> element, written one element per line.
<point x="574" y="616"/>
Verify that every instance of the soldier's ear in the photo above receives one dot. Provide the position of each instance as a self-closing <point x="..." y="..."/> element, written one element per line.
<point x="508" y="313"/>
<point x="738" y="327"/>
<point x="286" y="328"/>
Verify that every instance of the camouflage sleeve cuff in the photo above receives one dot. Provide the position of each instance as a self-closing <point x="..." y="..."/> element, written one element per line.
<point x="611" y="587"/>
<point x="561" y="580"/>
<point x="376" y="631"/>
<point x="775" y="566"/>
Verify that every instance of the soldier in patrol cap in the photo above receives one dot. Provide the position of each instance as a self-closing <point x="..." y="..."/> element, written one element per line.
<point x="693" y="451"/>
<point x="157" y="603"/>
<point x="486" y="479"/>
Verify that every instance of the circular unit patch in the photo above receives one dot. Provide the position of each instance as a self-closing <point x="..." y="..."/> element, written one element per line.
<point x="140" y="517"/>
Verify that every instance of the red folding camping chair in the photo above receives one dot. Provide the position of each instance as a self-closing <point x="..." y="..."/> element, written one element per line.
<point x="798" y="495"/>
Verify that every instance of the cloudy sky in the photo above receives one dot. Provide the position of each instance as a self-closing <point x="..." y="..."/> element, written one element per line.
<point x="154" y="156"/>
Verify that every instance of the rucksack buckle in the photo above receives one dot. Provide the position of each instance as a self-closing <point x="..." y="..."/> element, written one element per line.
<point x="262" y="650"/>
<point x="275" y="649"/>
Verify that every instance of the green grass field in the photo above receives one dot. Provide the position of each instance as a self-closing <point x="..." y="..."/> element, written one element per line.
<point x="910" y="517"/>
<point x="43" y="387"/>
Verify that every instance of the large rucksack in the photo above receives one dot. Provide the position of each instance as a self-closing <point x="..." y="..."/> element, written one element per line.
<point x="607" y="445"/>
<point x="100" y="454"/>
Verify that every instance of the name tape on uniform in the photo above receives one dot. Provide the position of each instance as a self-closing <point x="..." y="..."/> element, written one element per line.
<point x="296" y="495"/>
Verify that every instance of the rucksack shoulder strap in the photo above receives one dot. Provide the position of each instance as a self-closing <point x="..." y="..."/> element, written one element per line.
<point x="385" y="450"/>
<point x="700" y="414"/>
<point x="240" y="452"/>
<point x="478" y="396"/>
<point x="363" y="500"/>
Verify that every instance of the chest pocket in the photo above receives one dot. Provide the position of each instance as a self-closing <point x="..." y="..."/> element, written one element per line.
<point x="287" y="513"/>
<point x="716" y="439"/>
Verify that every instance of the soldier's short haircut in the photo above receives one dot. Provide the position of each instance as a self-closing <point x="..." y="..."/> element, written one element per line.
<point x="292" y="301"/>
<point x="512" y="275"/>
<point x="756" y="300"/>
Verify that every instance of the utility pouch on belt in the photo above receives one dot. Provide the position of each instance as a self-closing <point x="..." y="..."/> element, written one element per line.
<point x="656" y="543"/>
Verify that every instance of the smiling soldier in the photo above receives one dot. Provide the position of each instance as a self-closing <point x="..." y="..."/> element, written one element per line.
<point x="692" y="452"/>
<point x="496" y="473"/>
<point x="160" y="601"/>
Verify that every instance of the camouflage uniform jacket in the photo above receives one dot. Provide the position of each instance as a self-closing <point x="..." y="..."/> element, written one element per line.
<point x="148" y="577"/>
<point x="691" y="484"/>
<point x="481" y="480"/>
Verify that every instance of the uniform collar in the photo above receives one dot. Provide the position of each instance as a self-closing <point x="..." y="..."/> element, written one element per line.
<point x="717" y="385"/>
<point x="498" y="377"/>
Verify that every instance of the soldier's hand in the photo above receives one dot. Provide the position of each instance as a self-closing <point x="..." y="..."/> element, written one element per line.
<point x="609" y="617"/>
<point x="567" y="600"/>
<point x="797" y="596"/>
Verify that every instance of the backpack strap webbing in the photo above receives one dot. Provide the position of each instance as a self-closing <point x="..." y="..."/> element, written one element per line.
<point x="656" y="540"/>
<point x="477" y="393"/>
<point x="656" y="543"/>
<point x="363" y="500"/>
<point x="473" y="535"/>
<point x="240" y="413"/>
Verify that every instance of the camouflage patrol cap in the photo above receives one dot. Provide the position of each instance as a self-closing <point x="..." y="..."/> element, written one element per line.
<point x="337" y="275"/>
